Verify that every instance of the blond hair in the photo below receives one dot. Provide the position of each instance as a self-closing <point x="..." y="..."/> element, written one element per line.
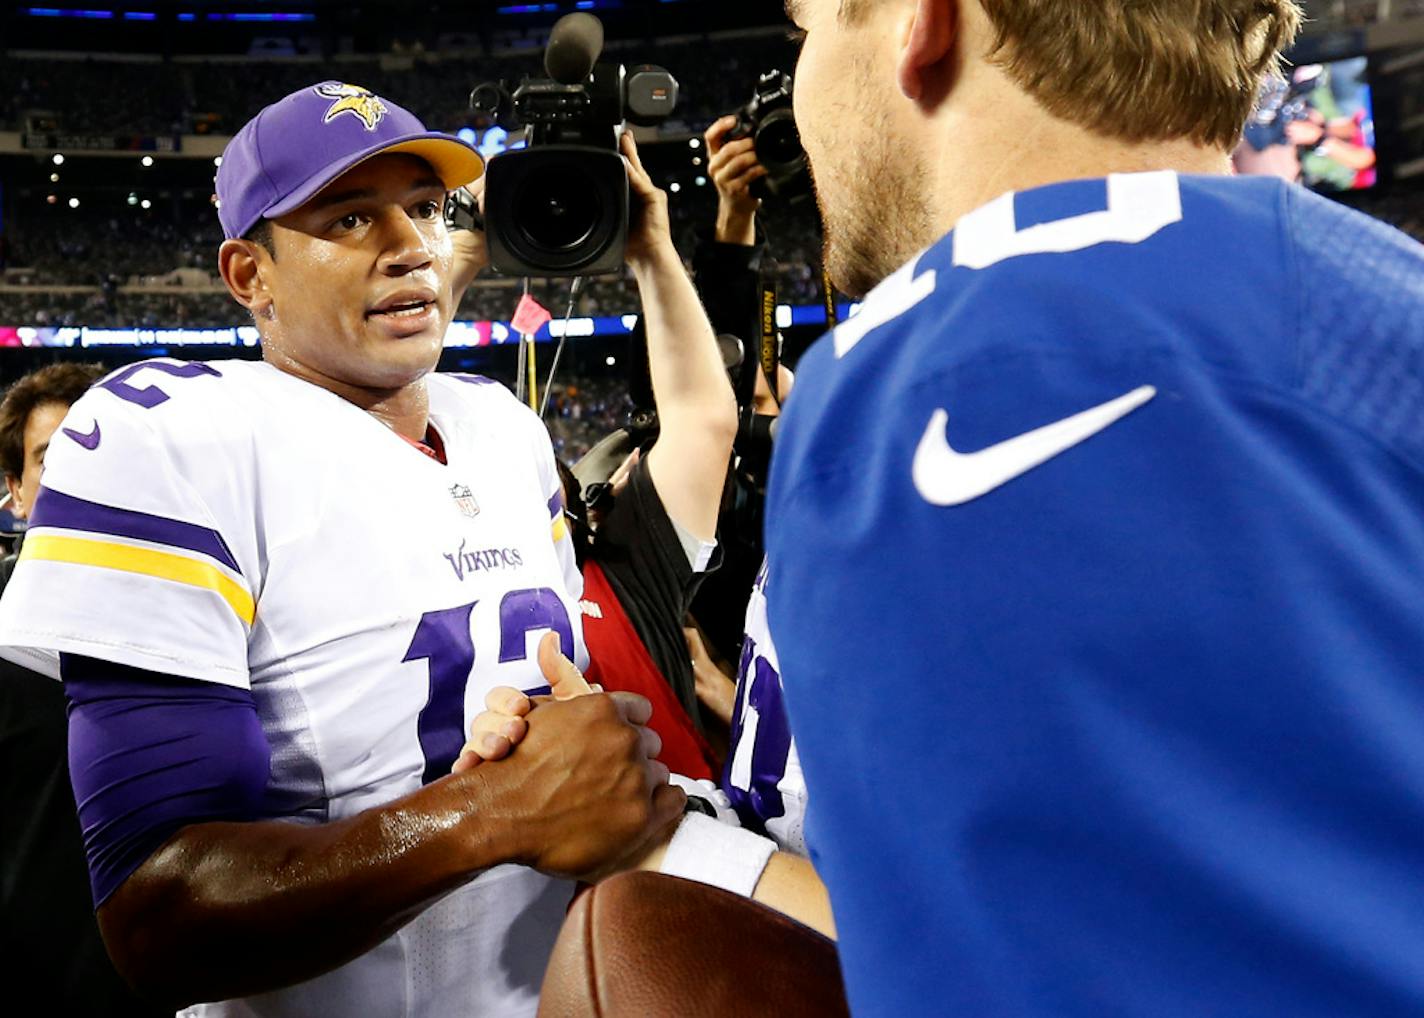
<point x="1140" y="70"/>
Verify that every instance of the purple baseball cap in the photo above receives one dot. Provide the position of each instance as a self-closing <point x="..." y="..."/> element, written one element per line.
<point x="295" y="147"/>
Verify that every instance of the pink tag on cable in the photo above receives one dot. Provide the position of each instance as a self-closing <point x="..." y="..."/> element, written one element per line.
<point x="529" y="316"/>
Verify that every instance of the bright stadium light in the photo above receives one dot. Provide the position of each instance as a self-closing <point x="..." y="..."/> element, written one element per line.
<point x="133" y="199"/>
<point x="58" y="159"/>
<point x="145" y="204"/>
<point x="674" y="187"/>
<point x="694" y="143"/>
<point x="54" y="178"/>
<point x="74" y="203"/>
<point x="611" y="361"/>
<point x="701" y="181"/>
<point x="147" y="160"/>
<point x="51" y="199"/>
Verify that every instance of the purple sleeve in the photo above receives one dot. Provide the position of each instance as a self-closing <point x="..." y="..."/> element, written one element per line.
<point x="150" y="753"/>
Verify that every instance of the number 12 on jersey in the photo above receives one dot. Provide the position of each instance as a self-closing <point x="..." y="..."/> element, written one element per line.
<point x="445" y="639"/>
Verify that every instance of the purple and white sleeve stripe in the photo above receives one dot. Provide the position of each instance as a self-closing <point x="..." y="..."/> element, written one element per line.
<point x="56" y="509"/>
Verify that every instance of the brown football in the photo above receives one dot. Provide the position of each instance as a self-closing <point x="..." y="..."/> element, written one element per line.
<point x="643" y="945"/>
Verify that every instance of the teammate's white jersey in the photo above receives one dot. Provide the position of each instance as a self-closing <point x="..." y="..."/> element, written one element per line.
<point x="763" y="776"/>
<point x="232" y="523"/>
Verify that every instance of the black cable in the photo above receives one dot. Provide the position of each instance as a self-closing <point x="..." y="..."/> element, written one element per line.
<point x="521" y="370"/>
<point x="574" y="289"/>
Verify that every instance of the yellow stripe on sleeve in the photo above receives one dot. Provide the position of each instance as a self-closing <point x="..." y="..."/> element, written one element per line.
<point x="144" y="561"/>
<point x="558" y="528"/>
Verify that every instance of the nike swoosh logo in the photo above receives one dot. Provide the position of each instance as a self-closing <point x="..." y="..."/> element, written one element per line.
<point x="90" y="441"/>
<point x="945" y="477"/>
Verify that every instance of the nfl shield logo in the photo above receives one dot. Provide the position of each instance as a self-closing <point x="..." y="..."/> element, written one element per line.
<point x="464" y="500"/>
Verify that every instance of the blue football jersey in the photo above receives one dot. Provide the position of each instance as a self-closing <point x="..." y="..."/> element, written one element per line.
<point x="1098" y="538"/>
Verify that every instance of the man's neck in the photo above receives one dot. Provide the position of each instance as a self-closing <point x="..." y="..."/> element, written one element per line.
<point x="404" y="409"/>
<point x="406" y="412"/>
<point x="1023" y="147"/>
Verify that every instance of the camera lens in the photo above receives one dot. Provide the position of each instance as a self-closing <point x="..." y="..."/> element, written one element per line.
<point x="557" y="209"/>
<point x="778" y="143"/>
<point x="554" y="212"/>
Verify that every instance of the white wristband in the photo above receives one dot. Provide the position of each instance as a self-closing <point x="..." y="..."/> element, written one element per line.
<point x="711" y="852"/>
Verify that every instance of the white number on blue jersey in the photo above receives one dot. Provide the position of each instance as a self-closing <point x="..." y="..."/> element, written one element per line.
<point x="1139" y="205"/>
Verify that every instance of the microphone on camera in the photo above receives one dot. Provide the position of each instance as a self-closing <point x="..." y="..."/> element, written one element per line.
<point x="575" y="44"/>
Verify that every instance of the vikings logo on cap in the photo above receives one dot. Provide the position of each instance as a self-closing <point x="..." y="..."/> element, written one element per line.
<point x="359" y="102"/>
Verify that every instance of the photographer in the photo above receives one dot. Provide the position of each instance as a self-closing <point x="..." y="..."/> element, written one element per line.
<point x="734" y="167"/>
<point x="728" y="265"/>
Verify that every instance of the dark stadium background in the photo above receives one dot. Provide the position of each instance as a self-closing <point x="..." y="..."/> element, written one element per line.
<point x="138" y="97"/>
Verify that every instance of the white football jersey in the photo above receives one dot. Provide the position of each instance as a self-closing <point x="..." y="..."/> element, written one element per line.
<point x="763" y="776"/>
<point x="232" y="523"/>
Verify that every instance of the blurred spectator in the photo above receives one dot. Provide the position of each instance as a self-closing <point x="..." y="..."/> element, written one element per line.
<point x="30" y="414"/>
<point x="47" y="928"/>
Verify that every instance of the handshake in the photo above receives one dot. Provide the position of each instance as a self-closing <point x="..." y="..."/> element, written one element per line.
<point x="580" y="766"/>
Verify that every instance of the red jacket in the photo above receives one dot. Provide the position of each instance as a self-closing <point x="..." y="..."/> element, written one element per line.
<point x="619" y="661"/>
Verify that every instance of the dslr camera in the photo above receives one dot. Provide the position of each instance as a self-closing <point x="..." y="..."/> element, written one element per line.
<point x="559" y="207"/>
<point x="767" y="119"/>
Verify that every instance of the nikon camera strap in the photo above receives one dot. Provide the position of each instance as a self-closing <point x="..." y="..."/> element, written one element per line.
<point x="769" y="345"/>
<point x="828" y="296"/>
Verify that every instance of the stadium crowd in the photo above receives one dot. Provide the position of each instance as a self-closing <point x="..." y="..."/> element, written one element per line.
<point x="128" y="263"/>
<point x="165" y="98"/>
<point x="63" y="270"/>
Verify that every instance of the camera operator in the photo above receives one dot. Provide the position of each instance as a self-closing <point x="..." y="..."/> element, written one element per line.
<point x="655" y="538"/>
<point x="761" y="786"/>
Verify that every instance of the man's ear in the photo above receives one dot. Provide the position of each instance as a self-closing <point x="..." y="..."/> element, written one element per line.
<point x="243" y="265"/>
<point x="926" y="54"/>
<point x="18" y="509"/>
